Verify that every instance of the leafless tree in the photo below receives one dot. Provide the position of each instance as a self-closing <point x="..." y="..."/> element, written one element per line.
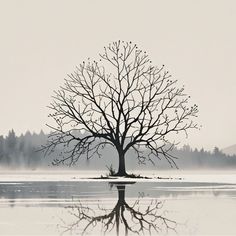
<point x="135" y="219"/>
<point x="120" y="100"/>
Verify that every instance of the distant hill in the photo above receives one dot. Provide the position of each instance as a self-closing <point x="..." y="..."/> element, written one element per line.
<point x="231" y="150"/>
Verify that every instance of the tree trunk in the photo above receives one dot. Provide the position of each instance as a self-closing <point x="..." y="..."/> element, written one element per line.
<point x="121" y="194"/>
<point x="120" y="207"/>
<point x="121" y="168"/>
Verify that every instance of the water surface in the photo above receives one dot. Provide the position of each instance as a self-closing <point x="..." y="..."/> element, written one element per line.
<point x="65" y="203"/>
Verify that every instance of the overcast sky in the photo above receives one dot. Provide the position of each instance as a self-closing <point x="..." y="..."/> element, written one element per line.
<point x="42" y="41"/>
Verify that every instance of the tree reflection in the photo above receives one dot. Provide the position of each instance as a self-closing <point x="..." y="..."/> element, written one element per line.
<point x="136" y="218"/>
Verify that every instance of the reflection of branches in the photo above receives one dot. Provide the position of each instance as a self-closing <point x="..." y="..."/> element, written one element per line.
<point x="135" y="218"/>
<point x="139" y="218"/>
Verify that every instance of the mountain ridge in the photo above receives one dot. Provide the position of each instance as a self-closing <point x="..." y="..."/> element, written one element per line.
<point x="230" y="150"/>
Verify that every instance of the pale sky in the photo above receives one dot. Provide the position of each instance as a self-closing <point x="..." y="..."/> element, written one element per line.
<point x="41" y="41"/>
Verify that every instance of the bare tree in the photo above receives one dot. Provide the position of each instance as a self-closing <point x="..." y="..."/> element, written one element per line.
<point x="136" y="219"/>
<point x="120" y="100"/>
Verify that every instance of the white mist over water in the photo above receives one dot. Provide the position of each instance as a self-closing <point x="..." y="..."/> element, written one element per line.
<point x="211" y="176"/>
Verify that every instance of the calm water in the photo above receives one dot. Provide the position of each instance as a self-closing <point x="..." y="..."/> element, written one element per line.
<point x="40" y="203"/>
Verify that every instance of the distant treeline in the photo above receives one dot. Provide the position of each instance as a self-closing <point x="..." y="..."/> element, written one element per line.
<point x="194" y="158"/>
<point x="23" y="152"/>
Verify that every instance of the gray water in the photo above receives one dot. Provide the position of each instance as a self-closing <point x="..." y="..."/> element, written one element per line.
<point x="38" y="203"/>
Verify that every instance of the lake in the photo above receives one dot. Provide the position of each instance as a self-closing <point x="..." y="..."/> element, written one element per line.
<point x="72" y="203"/>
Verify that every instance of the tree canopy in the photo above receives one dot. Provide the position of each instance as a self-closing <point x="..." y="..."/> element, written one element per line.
<point x="121" y="100"/>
